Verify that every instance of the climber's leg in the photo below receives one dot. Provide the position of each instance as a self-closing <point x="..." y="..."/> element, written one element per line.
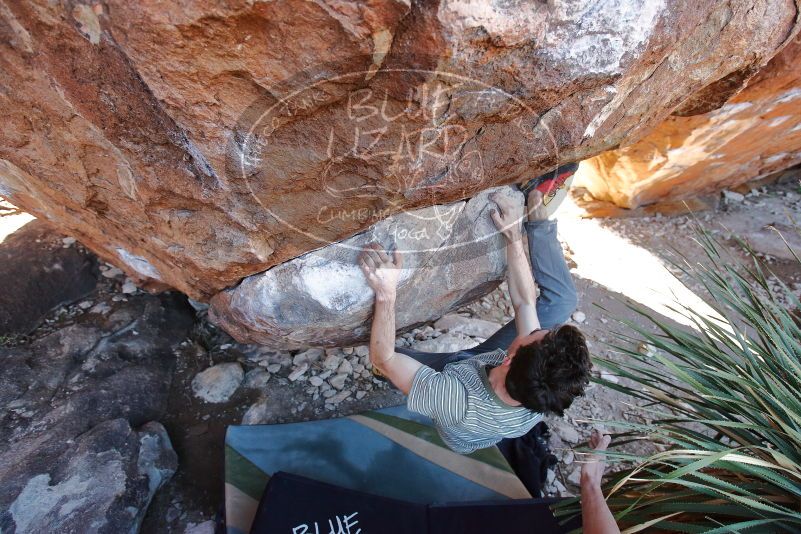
<point x="435" y="360"/>
<point x="557" y="299"/>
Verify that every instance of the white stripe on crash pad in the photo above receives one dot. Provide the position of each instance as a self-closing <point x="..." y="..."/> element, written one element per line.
<point x="473" y="470"/>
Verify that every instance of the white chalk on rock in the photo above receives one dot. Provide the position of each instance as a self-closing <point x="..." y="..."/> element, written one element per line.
<point x="609" y="377"/>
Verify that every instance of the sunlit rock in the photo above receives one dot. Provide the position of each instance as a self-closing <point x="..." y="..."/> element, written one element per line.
<point x="757" y="133"/>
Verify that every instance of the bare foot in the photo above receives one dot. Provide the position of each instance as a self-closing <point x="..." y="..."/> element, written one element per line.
<point x="536" y="208"/>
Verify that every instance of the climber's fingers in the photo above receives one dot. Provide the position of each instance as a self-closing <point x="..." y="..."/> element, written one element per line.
<point x="496" y="218"/>
<point x="369" y="272"/>
<point x="506" y="203"/>
<point x="501" y="202"/>
<point x="367" y="261"/>
<point x="377" y="253"/>
<point x="599" y="441"/>
<point x="374" y="257"/>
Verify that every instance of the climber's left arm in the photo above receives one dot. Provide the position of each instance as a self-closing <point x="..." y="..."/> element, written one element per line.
<point x="382" y="275"/>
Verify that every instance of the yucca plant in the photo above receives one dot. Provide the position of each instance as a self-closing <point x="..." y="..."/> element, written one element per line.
<point x="723" y="399"/>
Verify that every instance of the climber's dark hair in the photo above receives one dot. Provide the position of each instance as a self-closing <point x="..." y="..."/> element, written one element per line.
<point x="546" y="375"/>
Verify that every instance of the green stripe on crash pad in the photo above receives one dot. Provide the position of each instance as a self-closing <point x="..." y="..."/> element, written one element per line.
<point x="244" y="474"/>
<point x="490" y="456"/>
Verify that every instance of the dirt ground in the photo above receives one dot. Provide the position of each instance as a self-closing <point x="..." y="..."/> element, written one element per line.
<point x="613" y="261"/>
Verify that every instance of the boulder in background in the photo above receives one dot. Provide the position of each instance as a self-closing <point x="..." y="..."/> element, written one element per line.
<point x="79" y="448"/>
<point x="755" y="134"/>
<point x="40" y="272"/>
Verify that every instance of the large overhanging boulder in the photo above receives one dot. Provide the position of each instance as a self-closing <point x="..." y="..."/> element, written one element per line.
<point x="197" y="143"/>
<point x="757" y="133"/>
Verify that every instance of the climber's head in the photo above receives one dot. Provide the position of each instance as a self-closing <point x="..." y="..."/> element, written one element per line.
<point x="548" y="369"/>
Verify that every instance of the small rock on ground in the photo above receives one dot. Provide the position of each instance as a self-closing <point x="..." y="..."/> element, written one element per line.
<point x="256" y="379"/>
<point x="218" y="383"/>
<point x="206" y="527"/>
<point x="453" y="323"/>
<point x="298" y="372"/>
<point x="446" y="343"/>
<point x="345" y="368"/>
<point x="338" y="381"/>
<point x="308" y="356"/>
<point x="339" y="397"/>
<point x="129" y="287"/>
<point x="332" y="362"/>
<point x="316" y="381"/>
<point x="565" y="430"/>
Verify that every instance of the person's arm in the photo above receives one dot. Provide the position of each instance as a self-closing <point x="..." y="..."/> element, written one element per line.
<point x="382" y="275"/>
<point x="595" y="513"/>
<point x="522" y="291"/>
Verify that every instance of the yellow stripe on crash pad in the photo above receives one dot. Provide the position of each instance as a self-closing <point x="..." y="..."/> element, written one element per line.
<point x="497" y="480"/>
<point x="240" y="509"/>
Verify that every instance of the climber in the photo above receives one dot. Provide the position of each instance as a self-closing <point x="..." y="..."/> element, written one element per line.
<point x="532" y="366"/>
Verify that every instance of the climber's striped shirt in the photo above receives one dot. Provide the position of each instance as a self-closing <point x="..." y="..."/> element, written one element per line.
<point x="466" y="411"/>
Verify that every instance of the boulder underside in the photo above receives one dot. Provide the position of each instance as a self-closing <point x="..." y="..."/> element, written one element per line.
<point x="451" y="255"/>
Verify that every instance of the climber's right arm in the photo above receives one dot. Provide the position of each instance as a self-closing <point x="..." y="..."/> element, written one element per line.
<point x="522" y="290"/>
<point x="382" y="275"/>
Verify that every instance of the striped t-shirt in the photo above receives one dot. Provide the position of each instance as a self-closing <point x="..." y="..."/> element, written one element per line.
<point x="466" y="411"/>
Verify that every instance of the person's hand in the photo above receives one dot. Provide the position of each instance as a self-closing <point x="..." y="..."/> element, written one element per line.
<point x="592" y="472"/>
<point x="382" y="273"/>
<point x="507" y="217"/>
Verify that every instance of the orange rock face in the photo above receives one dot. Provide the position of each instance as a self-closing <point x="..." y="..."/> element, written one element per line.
<point x="195" y="143"/>
<point x="758" y="132"/>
